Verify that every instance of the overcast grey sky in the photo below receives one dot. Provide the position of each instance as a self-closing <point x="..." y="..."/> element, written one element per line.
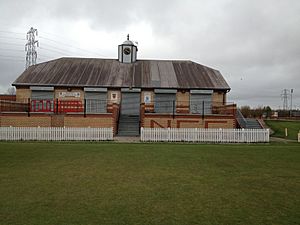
<point x="255" y="44"/>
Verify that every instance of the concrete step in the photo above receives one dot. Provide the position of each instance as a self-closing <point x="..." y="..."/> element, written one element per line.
<point x="132" y="127"/>
<point x="129" y="117"/>
<point x="252" y="124"/>
<point x="129" y="120"/>
<point x="128" y="134"/>
<point x="129" y="125"/>
<point x="134" y="132"/>
<point x="131" y="139"/>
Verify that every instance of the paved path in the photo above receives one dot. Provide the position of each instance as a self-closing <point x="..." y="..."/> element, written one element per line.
<point x="276" y="139"/>
<point x="127" y="139"/>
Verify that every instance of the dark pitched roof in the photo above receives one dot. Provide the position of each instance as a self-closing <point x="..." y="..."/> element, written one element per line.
<point x="88" y="72"/>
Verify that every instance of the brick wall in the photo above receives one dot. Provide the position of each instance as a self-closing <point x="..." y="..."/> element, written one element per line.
<point x="8" y="97"/>
<point x="22" y="120"/>
<point x="183" y="96"/>
<point x="115" y="116"/>
<point x="218" y="98"/>
<point x="183" y="101"/>
<point x="187" y="121"/>
<point x="103" y="120"/>
<point x="22" y="94"/>
<point x="57" y="120"/>
<point x="52" y="120"/>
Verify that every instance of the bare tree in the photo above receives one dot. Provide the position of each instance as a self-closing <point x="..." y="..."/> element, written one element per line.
<point x="246" y="111"/>
<point x="11" y="91"/>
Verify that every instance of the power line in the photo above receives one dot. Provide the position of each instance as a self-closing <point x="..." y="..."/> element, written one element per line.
<point x="49" y="39"/>
<point x="5" y="37"/>
<point x="58" y="42"/>
<point x="59" y="49"/>
<point x="66" y="50"/>
<point x="7" y="49"/>
<point x="9" y="43"/>
<point x="11" y="32"/>
<point x="51" y="50"/>
<point x="11" y="58"/>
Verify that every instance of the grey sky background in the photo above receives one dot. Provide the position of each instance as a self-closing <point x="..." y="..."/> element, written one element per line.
<point x="255" y="44"/>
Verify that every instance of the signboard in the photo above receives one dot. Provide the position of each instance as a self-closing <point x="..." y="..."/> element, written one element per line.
<point x="114" y="96"/>
<point x="65" y="94"/>
<point x="147" y="97"/>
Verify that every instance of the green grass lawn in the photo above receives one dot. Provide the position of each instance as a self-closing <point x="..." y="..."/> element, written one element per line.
<point x="278" y="126"/>
<point x="109" y="183"/>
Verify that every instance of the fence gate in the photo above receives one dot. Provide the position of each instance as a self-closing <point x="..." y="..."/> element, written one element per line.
<point x="130" y="104"/>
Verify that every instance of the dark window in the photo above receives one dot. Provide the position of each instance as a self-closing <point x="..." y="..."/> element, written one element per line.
<point x="96" y="102"/>
<point x="200" y="103"/>
<point x="164" y="102"/>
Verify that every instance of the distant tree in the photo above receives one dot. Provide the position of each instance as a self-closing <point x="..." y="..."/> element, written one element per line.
<point x="11" y="91"/>
<point x="246" y="111"/>
<point x="257" y="112"/>
<point x="268" y="111"/>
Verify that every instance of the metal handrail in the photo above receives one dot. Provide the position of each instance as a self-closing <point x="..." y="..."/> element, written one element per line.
<point x="241" y="119"/>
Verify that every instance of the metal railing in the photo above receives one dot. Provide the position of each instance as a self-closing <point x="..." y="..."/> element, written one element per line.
<point x="86" y="106"/>
<point x="94" y="106"/>
<point x="241" y="119"/>
<point x="189" y="107"/>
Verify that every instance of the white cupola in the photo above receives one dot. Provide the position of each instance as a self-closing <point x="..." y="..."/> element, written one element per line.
<point x="127" y="51"/>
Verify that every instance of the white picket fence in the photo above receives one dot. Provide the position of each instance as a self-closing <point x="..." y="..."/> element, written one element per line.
<point x="55" y="134"/>
<point x="205" y="135"/>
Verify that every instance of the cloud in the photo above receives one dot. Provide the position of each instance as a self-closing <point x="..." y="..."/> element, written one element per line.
<point x="255" y="44"/>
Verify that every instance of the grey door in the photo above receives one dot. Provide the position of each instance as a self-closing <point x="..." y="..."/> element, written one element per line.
<point x="164" y="102"/>
<point x="197" y="101"/>
<point x="130" y="104"/>
<point x="96" y="102"/>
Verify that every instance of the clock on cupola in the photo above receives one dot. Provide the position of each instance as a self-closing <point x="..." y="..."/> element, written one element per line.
<point x="127" y="51"/>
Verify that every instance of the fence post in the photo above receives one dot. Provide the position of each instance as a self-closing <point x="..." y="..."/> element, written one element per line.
<point x="56" y="106"/>
<point x="173" y="102"/>
<point x="28" y="107"/>
<point x="142" y="134"/>
<point x="243" y="135"/>
<point x="84" y="111"/>
<point x="202" y="110"/>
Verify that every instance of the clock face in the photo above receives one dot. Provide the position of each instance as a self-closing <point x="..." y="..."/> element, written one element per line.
<point x="126" y="51"/>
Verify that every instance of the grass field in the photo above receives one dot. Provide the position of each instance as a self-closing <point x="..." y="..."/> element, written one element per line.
<point x="278" y="126"/>
<point x="108" y="183"/>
